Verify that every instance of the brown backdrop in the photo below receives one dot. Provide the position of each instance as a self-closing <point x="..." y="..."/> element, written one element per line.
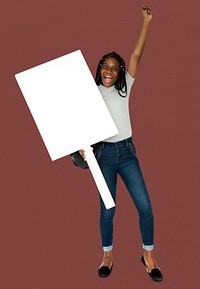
<point x="49" y="210"/>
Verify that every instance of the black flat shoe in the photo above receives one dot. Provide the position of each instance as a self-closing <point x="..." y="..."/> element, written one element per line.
<point x="104" y="271"/>
<point x="155" y="274"/>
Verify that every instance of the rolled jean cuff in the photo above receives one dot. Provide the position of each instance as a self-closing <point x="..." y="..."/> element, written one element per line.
<point x="148" y="247"/>
<point x="108" y="248"/>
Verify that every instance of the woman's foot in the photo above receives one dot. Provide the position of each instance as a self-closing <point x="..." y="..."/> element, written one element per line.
<point x="106" y="266"/>
<point x="151" y="266"/>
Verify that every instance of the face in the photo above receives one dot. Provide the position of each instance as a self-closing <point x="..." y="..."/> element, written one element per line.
<point x="110" y="71"/>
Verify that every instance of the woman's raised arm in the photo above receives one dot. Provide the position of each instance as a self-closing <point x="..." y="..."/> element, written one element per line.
<point x="138" y="50"/>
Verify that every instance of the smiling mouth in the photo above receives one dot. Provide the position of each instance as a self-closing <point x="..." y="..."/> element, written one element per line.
<point x="107" y="79"/>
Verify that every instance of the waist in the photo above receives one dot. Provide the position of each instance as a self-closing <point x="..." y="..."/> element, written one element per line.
<point x="122" y="143"/>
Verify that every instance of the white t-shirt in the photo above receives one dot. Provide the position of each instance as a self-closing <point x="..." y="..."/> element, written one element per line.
<point x="119" y="109"/>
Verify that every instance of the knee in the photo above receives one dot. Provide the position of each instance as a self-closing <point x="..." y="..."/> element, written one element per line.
<point x="146" y="212"/>
<point x="107" y="215"/>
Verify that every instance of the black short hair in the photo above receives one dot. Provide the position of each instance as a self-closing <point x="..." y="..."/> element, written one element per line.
<point x="120" y="84"/>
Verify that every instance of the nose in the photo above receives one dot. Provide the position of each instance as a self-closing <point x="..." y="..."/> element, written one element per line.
<point x="109" y="69"/>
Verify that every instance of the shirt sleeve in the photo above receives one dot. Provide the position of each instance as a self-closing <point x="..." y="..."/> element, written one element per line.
<point x="129" y="82"/>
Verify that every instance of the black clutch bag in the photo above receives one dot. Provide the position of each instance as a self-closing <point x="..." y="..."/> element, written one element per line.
<point x="78" y="160"/>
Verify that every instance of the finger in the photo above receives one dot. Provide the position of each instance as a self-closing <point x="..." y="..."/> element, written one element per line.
<point x="84" y="156"/>
<point x="148" y="10"/>
<point x="81" y="152"/>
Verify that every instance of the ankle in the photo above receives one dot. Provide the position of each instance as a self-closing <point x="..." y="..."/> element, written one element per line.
<point x="148" y="254"/>
<point x="107" y="258"/>
<point x="107" y="254"/>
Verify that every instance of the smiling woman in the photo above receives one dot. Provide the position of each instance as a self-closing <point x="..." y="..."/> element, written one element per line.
<point x="110" y="71"/>
<point x="117" y="155"/>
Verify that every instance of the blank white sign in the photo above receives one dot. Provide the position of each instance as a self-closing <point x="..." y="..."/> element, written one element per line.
<point x="68" y="110"/>
<point x="66" y="104"/>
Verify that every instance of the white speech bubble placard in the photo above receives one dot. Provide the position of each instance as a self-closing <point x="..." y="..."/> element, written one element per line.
<point x="68" y="109"/>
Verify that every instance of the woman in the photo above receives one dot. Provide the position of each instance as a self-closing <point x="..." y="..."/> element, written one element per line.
<point x="117" y="155"/>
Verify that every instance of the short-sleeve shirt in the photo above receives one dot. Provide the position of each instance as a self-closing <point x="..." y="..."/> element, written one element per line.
<point x="118" y="107"/>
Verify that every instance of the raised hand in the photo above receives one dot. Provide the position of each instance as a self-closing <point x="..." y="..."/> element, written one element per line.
<point x="146" y="13"/>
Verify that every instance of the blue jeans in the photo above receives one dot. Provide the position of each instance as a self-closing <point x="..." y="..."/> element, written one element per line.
<point x="120" y="158"/>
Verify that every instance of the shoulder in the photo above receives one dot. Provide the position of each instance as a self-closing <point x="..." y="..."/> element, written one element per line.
<point x="129" y="81"/>
<point x="129" y="78"/>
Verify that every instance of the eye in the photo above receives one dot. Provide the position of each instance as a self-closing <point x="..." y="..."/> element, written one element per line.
<point x="105" y="66"/>
<point x="115" y="68"/>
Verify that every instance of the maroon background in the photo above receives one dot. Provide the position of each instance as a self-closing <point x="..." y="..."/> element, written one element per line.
<point x="49" y="210"/>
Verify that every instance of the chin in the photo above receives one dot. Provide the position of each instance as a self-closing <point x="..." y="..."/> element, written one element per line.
<point x="107" y="84"/>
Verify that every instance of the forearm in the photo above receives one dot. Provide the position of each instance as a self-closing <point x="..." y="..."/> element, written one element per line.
<point x="140" y="44"/>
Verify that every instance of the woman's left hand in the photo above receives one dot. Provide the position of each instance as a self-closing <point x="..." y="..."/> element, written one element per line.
<point x="146" y="12"/>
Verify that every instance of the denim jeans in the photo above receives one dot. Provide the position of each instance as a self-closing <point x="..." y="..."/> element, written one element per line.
<point x="120" y="159"/>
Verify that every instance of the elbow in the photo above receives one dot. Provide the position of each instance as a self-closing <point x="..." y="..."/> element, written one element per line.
<point x="136" y="55"/>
